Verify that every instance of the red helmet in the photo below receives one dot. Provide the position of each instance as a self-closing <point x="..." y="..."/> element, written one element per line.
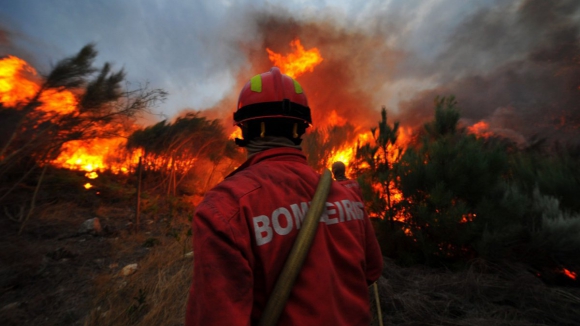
<point x="272" y="95"/>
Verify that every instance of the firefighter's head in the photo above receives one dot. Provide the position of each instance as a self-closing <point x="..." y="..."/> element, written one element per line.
<point x="338" y="170"/>
<point x="272" y="104"/>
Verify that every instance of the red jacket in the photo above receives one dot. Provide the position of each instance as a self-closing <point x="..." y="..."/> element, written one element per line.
<point x="244" y="229"/>
<point x="352" y="185"/>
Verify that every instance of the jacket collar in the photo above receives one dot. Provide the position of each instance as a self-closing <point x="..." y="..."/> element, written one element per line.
<point x="286" y="154"/>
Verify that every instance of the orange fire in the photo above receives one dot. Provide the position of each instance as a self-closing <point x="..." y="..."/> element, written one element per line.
<point x="570" y="274"/>
<point x="14" y="86"/>
<point x="480" y="129"/>
<point x="236" y="134"/>
<point x="95" y="155"/>
<point x="19" y="83"/>
<point x="346" y="153"/>
<point x="468" y="217"/>
<point x="298" y="62"/>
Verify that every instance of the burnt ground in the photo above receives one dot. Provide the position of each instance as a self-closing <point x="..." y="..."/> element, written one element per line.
<point x="48" y="273"/>
<point x="52" y="275"/>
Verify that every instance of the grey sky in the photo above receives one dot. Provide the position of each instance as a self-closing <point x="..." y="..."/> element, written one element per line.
<point x="497" y="56"/>
<point x="190" y="48"/>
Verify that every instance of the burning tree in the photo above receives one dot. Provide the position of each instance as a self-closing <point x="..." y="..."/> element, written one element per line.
<point x="74" y="102"/>
<point x="172" y="150"/>
<point x="377" y="164"/>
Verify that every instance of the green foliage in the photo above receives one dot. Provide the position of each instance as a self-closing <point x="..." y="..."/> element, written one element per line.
<point x="446" y="117"/>
<point x="467" y="197"/>
<point x="555" y="174"/>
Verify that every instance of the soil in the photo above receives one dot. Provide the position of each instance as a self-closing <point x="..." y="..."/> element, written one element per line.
<point x="47" y="273"/>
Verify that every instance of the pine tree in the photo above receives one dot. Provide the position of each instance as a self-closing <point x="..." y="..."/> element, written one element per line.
<point x="445" y="181"/>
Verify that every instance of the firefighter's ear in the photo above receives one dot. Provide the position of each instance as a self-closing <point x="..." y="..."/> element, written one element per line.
<point x="295" y="131"/>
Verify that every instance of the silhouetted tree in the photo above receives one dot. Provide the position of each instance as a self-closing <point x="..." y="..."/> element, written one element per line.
<point x="35" y="136"/>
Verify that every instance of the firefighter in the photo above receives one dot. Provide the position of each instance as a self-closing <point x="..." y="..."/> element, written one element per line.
<point x="339" y="173"/>
<point x="244" y="228"/>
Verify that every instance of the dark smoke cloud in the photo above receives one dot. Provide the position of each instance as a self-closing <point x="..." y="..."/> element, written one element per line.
<point x="517" y="67"/>
<point x="351" y="74"/>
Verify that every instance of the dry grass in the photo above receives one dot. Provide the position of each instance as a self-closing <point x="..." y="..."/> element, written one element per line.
<point x="50" y="278"/>
<point x="155" y="295"/>
<point x="485" y="294"/>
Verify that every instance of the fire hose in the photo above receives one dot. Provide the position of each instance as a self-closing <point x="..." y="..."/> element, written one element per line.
<point x="293" y="265"/>
<point x="298" y="254"/>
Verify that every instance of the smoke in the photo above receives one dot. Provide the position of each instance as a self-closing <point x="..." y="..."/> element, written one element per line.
<point x="515" y="65"/>
<point x="345" y="82"/>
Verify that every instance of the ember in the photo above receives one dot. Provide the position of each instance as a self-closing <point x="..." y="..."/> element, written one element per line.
<point x="570" y="274"/>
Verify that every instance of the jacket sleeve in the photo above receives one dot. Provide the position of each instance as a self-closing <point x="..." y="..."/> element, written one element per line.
<point x="221" y="290"/>
<point x="374" y="257"/>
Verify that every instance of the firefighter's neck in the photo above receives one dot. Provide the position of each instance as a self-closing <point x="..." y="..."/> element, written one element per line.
<point x="260" y="144"/>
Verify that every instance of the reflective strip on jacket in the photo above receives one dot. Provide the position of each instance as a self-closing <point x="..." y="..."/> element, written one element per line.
<point x="244" y="229"/>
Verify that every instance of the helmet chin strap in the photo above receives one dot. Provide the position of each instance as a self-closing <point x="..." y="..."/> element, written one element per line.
<point x="262" y="129"/>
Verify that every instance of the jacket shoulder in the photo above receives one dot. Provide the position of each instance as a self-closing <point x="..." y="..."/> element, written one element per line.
<point x="224" y="198"/>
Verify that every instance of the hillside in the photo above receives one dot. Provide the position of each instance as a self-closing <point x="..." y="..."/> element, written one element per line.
<point x="52" y="275"/>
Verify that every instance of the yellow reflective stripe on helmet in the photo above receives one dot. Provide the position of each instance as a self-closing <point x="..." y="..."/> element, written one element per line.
<point x="256" y="83"/>
<point x="297" y="87"/>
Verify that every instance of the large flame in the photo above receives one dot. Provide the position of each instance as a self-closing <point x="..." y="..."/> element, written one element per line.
<point x="14" y="86"/>
<point x="297" y="62"/>
<point x="19" y="84"/>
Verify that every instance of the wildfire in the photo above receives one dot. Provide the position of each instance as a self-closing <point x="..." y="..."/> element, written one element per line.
<point x="298" y="62"/>
<point x="236" y="134"/>
<point x="19" y="84"/>
<point x="95" y="155"/>
<point x="480" y="129"/>
<point x="14" y="86"/>
<point x="91" y="175"/>
<point x="346" y="153"/>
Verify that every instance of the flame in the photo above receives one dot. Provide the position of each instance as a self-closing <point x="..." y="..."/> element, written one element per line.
<point x="88" y="186"/>
<point x="14" y="86"/>
<point x="236" y="134"/>
<point x="467" y="217"/>
<point x="569" y="273"/>
<point x="95" y="155"/>
<point x="91" y="175"/>
<point x="480" y="129"/>
<point x="17" y="85"/>
<point x="298" y="62"/>
<point x="335" y="120"/>
<point x="346" y="153"/>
